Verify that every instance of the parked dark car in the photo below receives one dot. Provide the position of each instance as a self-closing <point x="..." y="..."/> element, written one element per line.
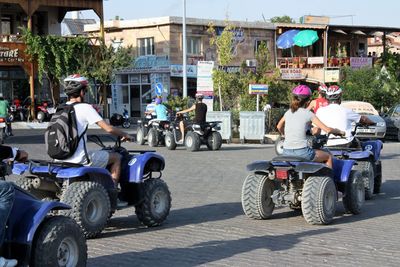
<point x="392" y="118"/>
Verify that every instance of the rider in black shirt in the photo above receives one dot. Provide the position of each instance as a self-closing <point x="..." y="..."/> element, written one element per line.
<point x="200" y="110"/>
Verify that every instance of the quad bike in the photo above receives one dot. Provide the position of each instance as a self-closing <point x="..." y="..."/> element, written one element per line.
<point x="143" y="129"/>
<point x="35" y="236"/>
<point x="91" y="193"/>
<point x="301" y="184"/>
<point x="367" y="155"/>
<point x="196" y="135"/>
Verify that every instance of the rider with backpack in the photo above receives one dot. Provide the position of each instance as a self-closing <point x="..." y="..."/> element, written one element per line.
<point x="66" y="135"/>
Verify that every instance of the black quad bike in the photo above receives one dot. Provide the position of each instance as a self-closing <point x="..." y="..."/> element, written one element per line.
<point x="196" y="135"/>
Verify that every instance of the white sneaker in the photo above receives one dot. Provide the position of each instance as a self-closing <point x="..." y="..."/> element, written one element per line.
<point x="7" y="263"/>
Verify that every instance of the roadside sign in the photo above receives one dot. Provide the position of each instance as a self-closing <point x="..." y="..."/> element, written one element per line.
<point x="159" y="89"/>
<point x="259" y="89"/>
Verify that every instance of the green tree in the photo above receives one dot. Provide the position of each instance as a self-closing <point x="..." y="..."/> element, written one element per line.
<point x="282" y="19"/>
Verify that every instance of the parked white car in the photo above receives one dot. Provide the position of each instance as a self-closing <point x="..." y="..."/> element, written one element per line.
<point x="377" y="131"/>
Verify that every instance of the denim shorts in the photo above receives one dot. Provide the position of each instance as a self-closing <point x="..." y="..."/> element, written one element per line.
<point x="305" y="152"/>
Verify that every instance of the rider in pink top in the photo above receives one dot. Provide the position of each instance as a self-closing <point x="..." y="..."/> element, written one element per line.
<point x="320" y="101"/>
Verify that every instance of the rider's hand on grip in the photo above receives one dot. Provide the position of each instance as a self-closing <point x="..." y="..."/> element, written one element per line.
<point x="126" y="138"/>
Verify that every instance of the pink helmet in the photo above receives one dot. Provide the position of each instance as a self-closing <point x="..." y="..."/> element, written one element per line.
<point x="302" y="91"/>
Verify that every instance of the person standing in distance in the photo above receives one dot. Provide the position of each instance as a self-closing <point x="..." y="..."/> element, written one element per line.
<point x="200" y="112"/>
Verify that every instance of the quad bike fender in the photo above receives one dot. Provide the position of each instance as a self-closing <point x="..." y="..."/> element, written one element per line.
<point x="357" y="155"/>
<point x="259" y="166"/>
<point x="311" y="167"/>
<point x="27" y="214"/>
<point x="342" y="169"/>
<point x="374" y="146"/>
<point x="62" y="173"/>
<point x="143" y="164"/>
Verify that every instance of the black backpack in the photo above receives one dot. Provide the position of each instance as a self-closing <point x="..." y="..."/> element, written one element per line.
<point x="61" y="136"/>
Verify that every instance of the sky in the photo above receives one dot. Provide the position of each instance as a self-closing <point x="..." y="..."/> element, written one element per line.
<point x="342" y="12"/>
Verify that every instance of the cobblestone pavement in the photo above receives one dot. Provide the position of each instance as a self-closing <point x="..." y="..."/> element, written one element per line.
<point x="207" y="226"/>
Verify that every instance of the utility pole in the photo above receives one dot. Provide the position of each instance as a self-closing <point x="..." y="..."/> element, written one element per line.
<point x="184" y="50"/>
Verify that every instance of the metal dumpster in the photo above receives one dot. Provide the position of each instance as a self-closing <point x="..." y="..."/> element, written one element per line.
<point x="226" y="125"/>
<point x="252" y="126"/>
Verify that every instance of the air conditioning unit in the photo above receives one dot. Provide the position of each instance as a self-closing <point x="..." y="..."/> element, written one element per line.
<point x="251" y="62"/>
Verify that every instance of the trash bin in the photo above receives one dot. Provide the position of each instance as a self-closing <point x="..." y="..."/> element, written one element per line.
<point x="252" y="126"/>
<point x="226" y="125"/>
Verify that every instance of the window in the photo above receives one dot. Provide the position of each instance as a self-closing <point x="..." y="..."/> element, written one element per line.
<point x="145" y="46"/>
<point x="193" y="45"/>
<point x="5" y="25"/>
<point x="257" y="44"/>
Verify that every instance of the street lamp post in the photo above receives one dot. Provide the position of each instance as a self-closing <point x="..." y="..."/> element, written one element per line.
<point x="184" y="50"/>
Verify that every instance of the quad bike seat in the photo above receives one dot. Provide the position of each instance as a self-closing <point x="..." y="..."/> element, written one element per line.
<point x="290" y="159"/>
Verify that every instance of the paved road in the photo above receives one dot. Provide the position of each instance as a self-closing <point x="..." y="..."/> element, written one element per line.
<point x="207" y="226"/>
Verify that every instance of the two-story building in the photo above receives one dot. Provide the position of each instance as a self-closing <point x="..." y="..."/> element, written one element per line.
<point x="18" y="76"/>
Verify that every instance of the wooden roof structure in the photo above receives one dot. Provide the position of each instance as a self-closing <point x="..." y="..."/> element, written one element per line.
<point x="64" y="6"/>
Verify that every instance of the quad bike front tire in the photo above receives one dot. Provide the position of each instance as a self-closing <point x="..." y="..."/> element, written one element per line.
<point x="366" y="168"/>
<point x="192" y="141"/>
<point x="26" y="183"/>
<point x="354" y="197"/>
<point x="156" y="204"/>
<point x="140" y="136"/>
<point x="214" y="141"/>
<point x="58" y="242"/>
<point x="319" y="199"/>
<point x="256" y="197"/>
<point x="90" y="206"/>
<point x="152" y="137"/>
<point x="170" y="141"/>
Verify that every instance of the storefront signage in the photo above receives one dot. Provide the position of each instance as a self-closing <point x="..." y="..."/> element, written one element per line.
<point x="13" y="54"/>
<point x="291" y="74"/>
<point x="204" y="76"/>
<point x="177" y="71"/>
<point x="315" y="60"/>
<point x="360" y="62"/>
<point x="332" y="76"/>
<point x="259" y="89"/>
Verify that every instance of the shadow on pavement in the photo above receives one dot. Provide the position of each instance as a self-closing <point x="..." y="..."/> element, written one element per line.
<point x="383" y="204"/>
<point x="207" y="252"/>
<point x="176" y="218"/>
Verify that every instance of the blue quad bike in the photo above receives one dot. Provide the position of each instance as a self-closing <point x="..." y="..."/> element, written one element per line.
<point x="36" y="237"/>
<point x="300" y="184"/>
<point x="368" y="162"/>
<point x="91" y="193"/>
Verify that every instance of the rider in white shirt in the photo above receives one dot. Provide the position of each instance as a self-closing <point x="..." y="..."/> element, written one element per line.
<point x="336" y="116"/>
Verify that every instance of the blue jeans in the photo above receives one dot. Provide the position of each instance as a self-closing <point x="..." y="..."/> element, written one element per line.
<point x="305" y="152"/>
<point x="6" y="203"/>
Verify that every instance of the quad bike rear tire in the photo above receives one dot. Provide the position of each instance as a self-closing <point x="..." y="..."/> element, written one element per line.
<point x="58" y="242"/>
<point x="354" y="197"/>
<point x="152" y="137"/>
<point x="256" y="197"/>
<point x="140" y="136"/>
<point x="156" y="204"/>
<point x="214" y="141"/>
<point x="90" y="206"/>
<point x="170" y="141"/>
<point x="366" y="168"/>
<point x="126" y="124"/>
<point x="319" y="199"/>
<point x="192" y="141"/>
